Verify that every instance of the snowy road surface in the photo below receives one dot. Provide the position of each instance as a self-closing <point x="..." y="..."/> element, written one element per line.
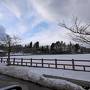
<point x="6" y="80"/>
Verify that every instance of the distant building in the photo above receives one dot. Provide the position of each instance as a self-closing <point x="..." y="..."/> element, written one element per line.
<point x="2" y="53"/>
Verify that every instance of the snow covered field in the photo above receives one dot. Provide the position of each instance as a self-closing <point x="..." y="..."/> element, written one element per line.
<point x="62" y="56"/>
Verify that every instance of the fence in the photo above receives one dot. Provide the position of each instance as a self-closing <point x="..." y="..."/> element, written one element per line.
<point x="79" y="65"/>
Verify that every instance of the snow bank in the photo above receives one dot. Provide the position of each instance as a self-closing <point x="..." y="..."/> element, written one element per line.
<point x="78" y="75"/>
<point x="27" y="74"/>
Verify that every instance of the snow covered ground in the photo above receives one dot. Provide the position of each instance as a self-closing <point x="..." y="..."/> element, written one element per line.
<point x="78" y="75"/>
<point x="36" y="74"/>
<point x="37" y="77"/>
<point x="59" y="56"/>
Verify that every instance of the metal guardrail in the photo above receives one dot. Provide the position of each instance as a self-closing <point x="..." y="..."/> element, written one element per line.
<point x="78" y="65"/>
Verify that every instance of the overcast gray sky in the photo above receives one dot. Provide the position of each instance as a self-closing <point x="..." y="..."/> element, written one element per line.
<point x="36" y="20"/>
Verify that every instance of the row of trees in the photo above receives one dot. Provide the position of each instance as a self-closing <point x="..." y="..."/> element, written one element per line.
<point x="58" y="47"/>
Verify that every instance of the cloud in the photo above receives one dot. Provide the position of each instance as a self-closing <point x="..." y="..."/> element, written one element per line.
<point x="11" y="5"/>
<point x="1" y="16"/>
<point x="2" y="31"/>
<point x="63" y="9"/>
<point x="82" y="9"/>
<point x="25" y="13"/>
<point x="19" y="30"/>
<point x="52" y="9"/>
<point x="48" y="36"/>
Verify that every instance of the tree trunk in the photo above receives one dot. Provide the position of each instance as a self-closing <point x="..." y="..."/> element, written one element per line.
<point x="9" y="50"/>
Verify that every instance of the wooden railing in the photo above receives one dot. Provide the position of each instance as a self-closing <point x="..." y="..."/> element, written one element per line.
<point x="79" y="65"/>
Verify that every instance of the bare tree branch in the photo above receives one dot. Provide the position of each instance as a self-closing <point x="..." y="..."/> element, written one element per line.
<point x="81" y="32"/>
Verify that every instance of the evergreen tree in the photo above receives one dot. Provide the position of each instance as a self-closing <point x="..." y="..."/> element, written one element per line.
<point x="52" y="48"/>
<point x="77" y="47"/>
<point x="36" y="45"/>
<point x="30" y="44"/>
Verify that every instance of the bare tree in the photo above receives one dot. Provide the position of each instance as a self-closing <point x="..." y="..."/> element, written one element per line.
<point x="8" y="42"/>
<point x="80" y="31"/>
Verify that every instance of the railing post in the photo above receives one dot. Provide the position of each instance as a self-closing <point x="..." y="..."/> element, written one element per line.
<point x="13" y="61"/>
<point x="21" y="61"/>
<point x="73" y="65"/>
<point x="64" y="67"/>
<point x="26" y="63"/>
<point x="8" y="62"/>
<point x="84" y="68"/>
<point x="48" y="65"/>
<point x="1" y="60"/>
<point x="31" y="61"/>
<point x="36" y="64"/>
<point x="42" y="62"/>
<point x="55" y="63"/>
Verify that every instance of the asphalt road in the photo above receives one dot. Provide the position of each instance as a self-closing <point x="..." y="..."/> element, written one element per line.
<point x="7" y="80"/>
